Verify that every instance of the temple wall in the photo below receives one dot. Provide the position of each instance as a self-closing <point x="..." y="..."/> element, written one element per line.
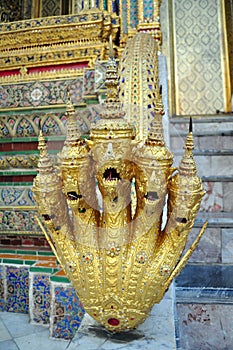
<point x="195" y="42"/>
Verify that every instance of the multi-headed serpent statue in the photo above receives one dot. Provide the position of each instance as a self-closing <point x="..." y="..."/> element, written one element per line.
<point x="112" y="244"/>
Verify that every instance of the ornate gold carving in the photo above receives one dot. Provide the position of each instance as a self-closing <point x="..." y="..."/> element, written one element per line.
<point x="139" y="84"/>
<point x="117" y="256"/>
<point x="150" y="24"/>
<point x="54" y="40"/>
<point x="20" y="161"/>
<point x="57" y="74"/>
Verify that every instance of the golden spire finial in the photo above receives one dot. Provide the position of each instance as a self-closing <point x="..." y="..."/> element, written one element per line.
<point x="44" y="163"/>
<point x="112" y="105"/>
<point x="111" y="51"/>
<point x="42" y="147"/>
<point x="188" y="165"/>
<point x="69" y="106"/>
<point x="155" y="136"/>
<point x="159" y="103"/>
<point x="112" y="79"/>
<point x="72" y="133"/>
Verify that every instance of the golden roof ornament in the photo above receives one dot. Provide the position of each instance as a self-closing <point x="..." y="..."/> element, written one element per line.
<point x="120" y="259"/>
<point x="44" y="163"/>
<point x="187" y="164"/>
<point x="155" y="134"/>
<point x="73" y="133"/>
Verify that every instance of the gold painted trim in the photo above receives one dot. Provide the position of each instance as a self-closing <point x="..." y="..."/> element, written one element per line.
<point x="225" y="58"/>
<point x="140" y="11"/>
<point x="128" y="14"/>
<point x="61" y="74"/>
<point x="20" y="233"/>
<point x="33" y="108"/>
<point x="35" y="9"/>
<point x="171" y="48"/>
<point x="48" y="238"/>
<point x="58" y="106"/>
<point x="109" y="6"/>
<point x="18" y="207"/>
<point x="101" y="5"/>
<point x="121" y="19"/>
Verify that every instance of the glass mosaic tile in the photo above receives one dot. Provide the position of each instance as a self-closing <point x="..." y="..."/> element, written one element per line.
<point x="17" y="299"/>
<point x="2" y="294"/>
<point x="68" y="312"/>
<point x="40" y="311"/>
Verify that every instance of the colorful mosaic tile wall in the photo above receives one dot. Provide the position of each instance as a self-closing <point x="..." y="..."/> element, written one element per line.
<point x="67" y="311"/>
<point x="148" y="9"/>
<point x="25" y="108"/>
<point x="41" y="299"/>
<point x="31" y="282"/>
<point x="40" y="290"/>
<point x="17" y="289"/>
<point x="16" y="196"/>
<point x="2" y="294"/>
<point x="37" y="94"/>
<point x="18" y="221"/>
<point x="52" y="123"/>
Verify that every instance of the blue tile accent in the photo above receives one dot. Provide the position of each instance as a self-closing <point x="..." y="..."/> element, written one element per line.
<point x="68" y="312"/>
<point x="2" y="292"/>
<point x="17" y="289"/>
<point x="41" y="298"/>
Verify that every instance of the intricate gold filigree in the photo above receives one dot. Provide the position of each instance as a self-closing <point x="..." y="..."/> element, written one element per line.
<point x="119" y="258"/>
<point x="57" y="40"/>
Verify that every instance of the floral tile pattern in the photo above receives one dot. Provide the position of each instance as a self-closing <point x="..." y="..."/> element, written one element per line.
<point x="18" y="221"/>
<point x="68" y="312"/>
<point x="37" y="94"/>
<point x="16" y="196"/>
<point x="17" y="299"/>
<point x="51" y="123"/>
<point x="40" y="307"/>
<point x="89" y="82"/>
<point x="28" y="125"/>
<point x="2" y="293"/>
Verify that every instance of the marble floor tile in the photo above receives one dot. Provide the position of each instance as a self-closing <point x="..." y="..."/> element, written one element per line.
<point x="4" y="334"/>
<point x="18" y="324"/>
<point x="38" y="341"/>
<point x="8" y="345"/>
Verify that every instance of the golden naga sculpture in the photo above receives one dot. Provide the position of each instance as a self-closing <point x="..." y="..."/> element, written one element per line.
<point x="103" y="210"/>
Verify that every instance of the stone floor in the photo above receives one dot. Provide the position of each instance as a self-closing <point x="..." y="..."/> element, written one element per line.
<point x="16" y="333"/>
<point x="156" y="333"/>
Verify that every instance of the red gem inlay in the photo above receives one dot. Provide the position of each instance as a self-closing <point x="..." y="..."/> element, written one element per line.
<point x="113" y="322"/>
